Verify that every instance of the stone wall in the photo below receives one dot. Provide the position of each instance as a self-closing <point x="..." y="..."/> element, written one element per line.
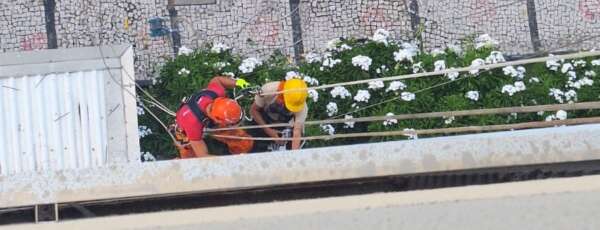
<point x="250" y="27"/>
<point x="258" y="27"/>
<point x="447" y="21"/>
<point x="22" y="25"/>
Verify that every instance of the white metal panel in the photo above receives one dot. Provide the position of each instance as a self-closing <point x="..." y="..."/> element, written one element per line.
<point x="53" y="121"/>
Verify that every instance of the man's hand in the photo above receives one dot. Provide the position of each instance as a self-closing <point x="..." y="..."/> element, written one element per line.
<point x="240" y="82"/>
<point x="274" y="134"/>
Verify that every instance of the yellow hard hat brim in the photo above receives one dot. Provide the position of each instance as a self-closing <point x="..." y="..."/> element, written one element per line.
<point x="294" y="108"/>
<point x="295" y="100"/>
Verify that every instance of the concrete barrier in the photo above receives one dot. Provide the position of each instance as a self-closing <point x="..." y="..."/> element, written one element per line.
<point x="567" y="203"/>
<point x="550" y="145"/>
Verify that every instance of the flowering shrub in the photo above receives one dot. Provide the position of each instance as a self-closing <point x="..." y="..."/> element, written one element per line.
<point x="562" y="81"/>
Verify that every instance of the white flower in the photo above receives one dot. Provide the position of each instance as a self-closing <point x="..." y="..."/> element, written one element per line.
<point x="362" y="96"/>
<point x="540" y="113"/>
<point x="455" y="49"/>
<point x="475" y="63"/>
<point x="332" y="44"/>
<point x="495" y="57"/>
<point x="249" y="64"/>
<point x="486" y="41"/>
<point x="439" y="65"/>
<point x="310" y="80"/>
<point x="557" y="94"/>
<point x="332" y="109"/>
<point x="292" y="74"/>
<point x="436" y="52"/>
<point x="596" y="62"/>
<point x="407" y="96"/>
<point x="551" y="118"/>
<point x="312" y="57"/>
<point x="571" y="96"/>
<point x="340" y="91"/>
<point x="452" y="75"/>
<point x="590" y="73"/>
<point x="586" y="81"/>
<point x="572" y="75"/>
<point x="313" y="94"/>
<point x="230" y="74"/>
<point x="329" y="129"/>
<point x="521" y="72"/>
<point x="552" y="65"/>
<point x="140" y="111"/>
<point x="448" y="120"/>
<point x="148" y="157"/>
<point x="561" y="115"/>
<point x="376" y="85"/>
<point x="184" y="51"/>
<point x="362" y="61"/>
<point x="144" y="131"/>
<point x="566" y="68"/>
<point x="345" y="47"/>
<point x="411" y="134"/>
<point x="395" y="86"/>
<point x="579" y="63"/>
<point x="220" y="65"/>
<point x="349" y="124"/>
<point x="520" y="86"/>
<point x="417" y="67"/>
<point x="381" y="69"/>
<point x="183" y="71"/>
<point x="534" y="79"/>
<point x="518" y="73"/>
<point x="381" y="36"/>
<point x="330" y="62"/>
<point x="218" y="48"/>
<point x="510" y="71"/>
<point x="407" y="52"/>
<point x="509" y="89"/>
<point x="473" y="95"/>
<point x="390" y="122"/>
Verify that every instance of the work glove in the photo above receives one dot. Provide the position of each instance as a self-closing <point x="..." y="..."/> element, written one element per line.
<point x="241" y="83"/>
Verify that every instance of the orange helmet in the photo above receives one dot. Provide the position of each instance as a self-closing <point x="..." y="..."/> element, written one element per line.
<point x="225" y="111"/>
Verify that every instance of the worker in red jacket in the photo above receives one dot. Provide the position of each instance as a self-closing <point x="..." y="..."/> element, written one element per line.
<point x="210" y="108"/>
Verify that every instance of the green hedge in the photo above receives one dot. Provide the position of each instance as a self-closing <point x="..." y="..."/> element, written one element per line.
<point x="575" y="79"/>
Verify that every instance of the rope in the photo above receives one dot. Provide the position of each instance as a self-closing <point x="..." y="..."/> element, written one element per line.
<point x="446" y="71"/>
<point x="459" y="113"/>
<point x="133" y="94"/>
<point x="536" y="124"/>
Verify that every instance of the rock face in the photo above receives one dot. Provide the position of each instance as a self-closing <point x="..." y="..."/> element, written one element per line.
<point x="258" y="27"/>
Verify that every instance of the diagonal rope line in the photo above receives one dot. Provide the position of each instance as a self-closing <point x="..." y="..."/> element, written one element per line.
<point x="459" y="113"/>
<point x="446" y="71"/>
<point x="487" y="128"/>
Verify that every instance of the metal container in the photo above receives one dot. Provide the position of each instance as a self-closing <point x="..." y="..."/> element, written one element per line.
<point x="64" y="109"/>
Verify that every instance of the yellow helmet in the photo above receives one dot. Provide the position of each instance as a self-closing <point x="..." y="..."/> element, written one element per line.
<point x="295" y="100"/>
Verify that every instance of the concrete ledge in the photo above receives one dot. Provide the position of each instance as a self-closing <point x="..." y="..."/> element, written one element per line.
<point x="568" y="203"/>
<point x="60" y="60"/>
<point x="538" y="146"/>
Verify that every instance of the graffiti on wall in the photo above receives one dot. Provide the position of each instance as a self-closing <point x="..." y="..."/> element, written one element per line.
<point x="483" y="11"/>
<point x="34" y="42"/>
<point x="373" y="18"/>
<point x="589" y="9"/>
<point x="265" y="31"/>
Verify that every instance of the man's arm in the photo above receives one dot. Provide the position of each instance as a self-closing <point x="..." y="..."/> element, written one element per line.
<point x="200" y="148"/>
<point x="225" y="82"/>
<point x="297" y="134"/>
<point x="257" y="116"/>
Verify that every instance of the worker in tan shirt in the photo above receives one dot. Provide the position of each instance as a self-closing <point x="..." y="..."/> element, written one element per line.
<point x="287" y="107"/>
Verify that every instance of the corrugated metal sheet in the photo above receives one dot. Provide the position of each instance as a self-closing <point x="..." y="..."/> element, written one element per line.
<point x="53" y="121"/>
